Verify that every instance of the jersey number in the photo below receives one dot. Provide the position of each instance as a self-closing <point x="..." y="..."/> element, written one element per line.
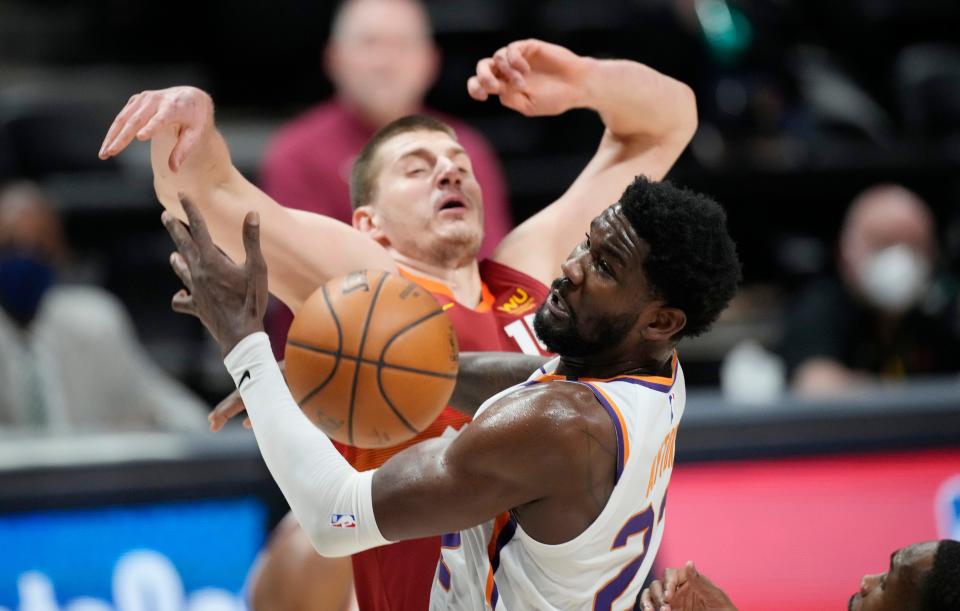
<point x="640" y="524"/>
<point x="521" y="330"/>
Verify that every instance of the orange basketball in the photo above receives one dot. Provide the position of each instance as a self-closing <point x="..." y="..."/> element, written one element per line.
<point x="371" y="359"/>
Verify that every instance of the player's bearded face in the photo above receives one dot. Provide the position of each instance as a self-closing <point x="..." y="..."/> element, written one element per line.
<point x="578" y="333"/>
<point x="429" y="204"/>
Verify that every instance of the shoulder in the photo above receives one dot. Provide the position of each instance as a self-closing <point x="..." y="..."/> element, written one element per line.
<point x="555" y="414"/>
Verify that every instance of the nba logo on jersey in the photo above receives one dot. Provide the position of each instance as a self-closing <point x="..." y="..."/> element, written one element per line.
<point x="948" y="509"/>
<point x="343" y="520"/>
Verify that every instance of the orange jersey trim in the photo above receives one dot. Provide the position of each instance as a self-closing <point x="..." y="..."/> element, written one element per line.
<point x="439" y="288"/>
<point x="660" y="380"/>
<point x="622" y="422"/>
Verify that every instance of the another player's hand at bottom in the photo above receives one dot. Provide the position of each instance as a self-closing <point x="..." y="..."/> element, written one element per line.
<point x="684" y="589"/>
<point x="229" y="299"/>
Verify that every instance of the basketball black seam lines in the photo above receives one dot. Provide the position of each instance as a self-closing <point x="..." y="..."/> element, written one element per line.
<point x="336" y="363"/>
<point x="380" y="365"/>
<point x="363" y="341"/>
<point x="362" y="361"/>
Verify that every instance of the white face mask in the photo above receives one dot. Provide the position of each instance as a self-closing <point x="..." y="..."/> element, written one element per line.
<point x="894" y="278"/>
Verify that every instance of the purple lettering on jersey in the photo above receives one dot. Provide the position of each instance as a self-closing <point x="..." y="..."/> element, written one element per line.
<point x="450" y="540"/>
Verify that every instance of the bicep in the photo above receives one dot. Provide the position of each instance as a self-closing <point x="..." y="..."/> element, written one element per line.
<point x="559" y="227"/>
<point x="496" y="463"/>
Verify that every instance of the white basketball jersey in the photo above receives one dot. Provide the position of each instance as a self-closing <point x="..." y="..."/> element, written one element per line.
<point x="497" y="566"/>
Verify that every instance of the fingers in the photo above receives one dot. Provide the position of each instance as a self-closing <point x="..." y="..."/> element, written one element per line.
<point x="646" y="602"/>
<point x="128" y="109"/>
<point x="476" y="90"/>
<point x="516" y="58"/>
<point x="231" y="406"/>
<point x="198" y="226"/>
<point x="180" y="267"/>
<point x="182" y="303"/>
<point x="671" y="579"/>
<point x="247" y="424"/>
<point x="181" y="237"/>
<point x="506" y="70"/>
<point x="251" y="242"/>
<point x="486" y="77"/>
<point x="186" y="141"/>
<point x="162" y="117"/>
<point x="141" y="111"/>
<point x="652" y="598"/>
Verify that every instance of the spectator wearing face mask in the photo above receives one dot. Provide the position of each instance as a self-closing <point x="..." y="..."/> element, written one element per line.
<point x="885" y="316"/>
<point x="69" y="359"/>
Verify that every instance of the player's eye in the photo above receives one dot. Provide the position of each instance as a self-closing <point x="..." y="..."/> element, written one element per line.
<point x="604" y="267"/>
<point x="417" y="171"/>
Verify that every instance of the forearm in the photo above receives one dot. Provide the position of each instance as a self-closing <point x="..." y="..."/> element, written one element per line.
<point x="638" y="103"/>
<point x="302" y="250"/>
<point x="484" y="374"/>
<point x="317" y="482"/>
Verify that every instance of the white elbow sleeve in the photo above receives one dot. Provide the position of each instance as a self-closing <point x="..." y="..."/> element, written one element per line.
<point x="331" y="500"/>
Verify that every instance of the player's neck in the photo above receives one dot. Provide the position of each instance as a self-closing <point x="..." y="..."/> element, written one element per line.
<point x="462" y="282"/>
<point x="658" y="362"/>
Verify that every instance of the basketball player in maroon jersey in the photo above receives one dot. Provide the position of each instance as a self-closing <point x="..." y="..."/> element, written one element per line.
<point x="418" y="211"/>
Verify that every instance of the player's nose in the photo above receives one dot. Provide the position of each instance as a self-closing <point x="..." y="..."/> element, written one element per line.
<point x="447" y="172"/>
<point x="572" y="269"/>
<point x="868" y="583"/>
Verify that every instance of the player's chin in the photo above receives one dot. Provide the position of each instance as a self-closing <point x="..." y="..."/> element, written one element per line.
<point x="854" y="602"/>
<point x="460" y="238"/>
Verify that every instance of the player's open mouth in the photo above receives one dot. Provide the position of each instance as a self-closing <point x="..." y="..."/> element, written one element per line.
<point x="557" y="306"/>
<point x="453" y="204"/>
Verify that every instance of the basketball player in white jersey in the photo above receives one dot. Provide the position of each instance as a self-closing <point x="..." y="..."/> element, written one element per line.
<point x="554" y="496"/>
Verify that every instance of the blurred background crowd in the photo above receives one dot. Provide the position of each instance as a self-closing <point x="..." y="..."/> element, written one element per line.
<point x="830" y="131"/>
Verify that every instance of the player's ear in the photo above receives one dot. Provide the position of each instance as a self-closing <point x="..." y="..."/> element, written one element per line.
<point x="666" y="323"/>
<point x="366" y="221"/>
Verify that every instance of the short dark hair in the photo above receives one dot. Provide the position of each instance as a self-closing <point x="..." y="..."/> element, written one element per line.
<point x="363" y="175"/>
<point x="941" y="589"/>
<point x="692" y="262"/>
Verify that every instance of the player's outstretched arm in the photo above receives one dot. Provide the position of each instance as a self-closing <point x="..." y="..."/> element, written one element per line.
<point x="189" y="156"/>
<point x="483" y="374"/>
<point x="649" y="118"/>
<point x="480" y="376"/>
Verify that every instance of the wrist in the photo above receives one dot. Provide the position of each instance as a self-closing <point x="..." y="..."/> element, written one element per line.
<point x="231" y="341"/>
<point x="590" y="73"/>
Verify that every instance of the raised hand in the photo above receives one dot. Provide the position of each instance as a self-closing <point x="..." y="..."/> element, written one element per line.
<point x="229" y="299"/>
<point x="188" y="109"/>
<point x="684" y="589"/>
<point x="533" y="77"/>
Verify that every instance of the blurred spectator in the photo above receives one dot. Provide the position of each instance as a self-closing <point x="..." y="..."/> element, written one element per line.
<point x="69" y="360"/>
<point x="885" y="316"/>
<point x="382" y="60"/>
